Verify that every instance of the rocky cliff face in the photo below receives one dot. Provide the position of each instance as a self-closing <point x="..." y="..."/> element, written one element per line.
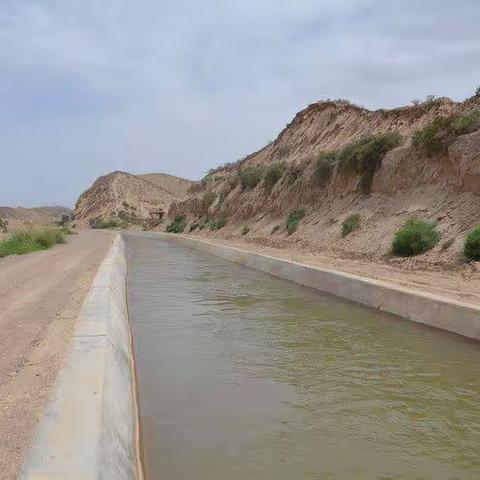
<point x="440" y="184"/>
<point x="129" y="199"/>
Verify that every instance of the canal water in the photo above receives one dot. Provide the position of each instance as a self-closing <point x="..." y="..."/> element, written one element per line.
<point x="244" y="376"/>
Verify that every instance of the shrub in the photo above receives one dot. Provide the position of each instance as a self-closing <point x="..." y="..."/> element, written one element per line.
<point x="3" y="225"/>
<point x="294" y="172"/>
<point x="365" y="156"/>
<point x="110" y="223"/>
<point x="218" y="224"/>
<point x="275" y="229"/>
<point x="324" y="167"/>
<point x="471" y="247"/>
<point x="272" y="175"/>
<point x="178" y="225"/>
<point x="193" y="227"/>
<point x="207" y="199"/>
<point x="350" y="224"/>
<point x="294" y="219"/>
<point x="245" y="230"/>
<point x="415" y="237"/>
<point x="432" y="138"/>
<point x="250" y="177"/>
<point x="477" y="92"/>
<point x="23" y="242"/>
<point x="467" y="123"/>
<point x="440" y="133"/>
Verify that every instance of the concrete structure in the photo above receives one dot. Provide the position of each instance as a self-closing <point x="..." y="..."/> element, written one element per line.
<point x="91" y="429"/>
<point x="433" y="310"/>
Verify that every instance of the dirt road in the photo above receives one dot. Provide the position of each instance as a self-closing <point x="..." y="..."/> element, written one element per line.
<point x="40" y="297"/>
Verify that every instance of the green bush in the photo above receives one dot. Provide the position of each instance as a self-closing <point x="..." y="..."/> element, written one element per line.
<point x="245" y="230"/>
<point x="273" y="174"/>
<point x="415" y="237"/>
<point x="324" y="167"/>
<point x="441" y="132"/>
<point x="350" y="224"/>
<point x="365" y="156"/>
<point x="471" y="247"/>
<point x="467" y="123"/>
<point x="293" y="220"/>
<point x="250" y="177"/>
<point x="178" y="225"/>
<point x="275" y="229"/>
<point x="207" y="199"/>
<point x="293" y="173"/>
<point x="27" y="241"/>
<point x="218" y="224"/>
<point x="110" y="223"/>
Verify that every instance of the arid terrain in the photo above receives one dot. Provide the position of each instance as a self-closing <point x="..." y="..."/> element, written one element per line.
<point x="137" y="201"/>
<point x="253" y="197"/>
<point x="41" y="295"/>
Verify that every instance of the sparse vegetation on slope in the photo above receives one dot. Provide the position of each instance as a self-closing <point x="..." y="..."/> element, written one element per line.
<point x="294" y="219"/>
<point x="245" y="230"/>
<point x="109" y="224"/>
<point x="178" y="225"/>
<point x="293" y="173"/>
<point x="440" y="133"/>
<point x="471" y="248"/>
<point x="350" y="224"/>
<point x="415" y="237"/>
<point x="324" y="167"/>
<point x="250" y="177"/>
<point x="207" y="199"/>
<point x="218" y="224"/>
<point x="27" y="241"/>
<point x="365" y="156"/>
<point x="272" y="175"/>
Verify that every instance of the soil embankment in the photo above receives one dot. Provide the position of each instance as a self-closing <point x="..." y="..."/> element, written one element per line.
<point x="41" y="295"/>
<point x="336" y="161"/>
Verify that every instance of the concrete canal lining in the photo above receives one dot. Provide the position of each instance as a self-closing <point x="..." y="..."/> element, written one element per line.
<point x="429" y="309"/>
<point x="91" y="429"/>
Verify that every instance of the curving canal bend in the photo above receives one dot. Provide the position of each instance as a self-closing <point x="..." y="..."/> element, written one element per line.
<point x="244" y="376"/>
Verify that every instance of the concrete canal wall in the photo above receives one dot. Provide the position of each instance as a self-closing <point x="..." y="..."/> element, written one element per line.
<point x="91" y="429"/>
<point x="429" y="309"/>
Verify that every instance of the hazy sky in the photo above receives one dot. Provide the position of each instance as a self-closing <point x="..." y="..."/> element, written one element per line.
<point x="180" y="86"/>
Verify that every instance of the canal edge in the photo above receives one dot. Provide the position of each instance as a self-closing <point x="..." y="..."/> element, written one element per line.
<point x="90" y="428"/>
<point x="420" y="307"/>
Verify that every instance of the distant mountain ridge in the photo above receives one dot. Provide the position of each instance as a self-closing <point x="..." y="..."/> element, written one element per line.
<point x="36" y="215"/>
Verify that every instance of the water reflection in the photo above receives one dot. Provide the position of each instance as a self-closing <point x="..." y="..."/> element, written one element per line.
<point x="243" y="376"/>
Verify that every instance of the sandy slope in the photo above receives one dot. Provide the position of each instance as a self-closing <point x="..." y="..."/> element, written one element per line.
<point x="40" y="297"/>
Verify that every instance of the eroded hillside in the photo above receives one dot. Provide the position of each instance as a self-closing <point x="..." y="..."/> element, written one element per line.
<point x="125" y="200"/>
<point x="336" y="160"/>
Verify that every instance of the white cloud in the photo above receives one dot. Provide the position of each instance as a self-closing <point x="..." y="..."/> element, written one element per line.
<point x="180" y="86"/>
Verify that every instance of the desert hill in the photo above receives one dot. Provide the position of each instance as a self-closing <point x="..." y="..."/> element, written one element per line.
<point x="131" y="200"/>
<point x="335" y="160"/>
<point x="37" y="215"/>
<point x="176" y="186"/>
